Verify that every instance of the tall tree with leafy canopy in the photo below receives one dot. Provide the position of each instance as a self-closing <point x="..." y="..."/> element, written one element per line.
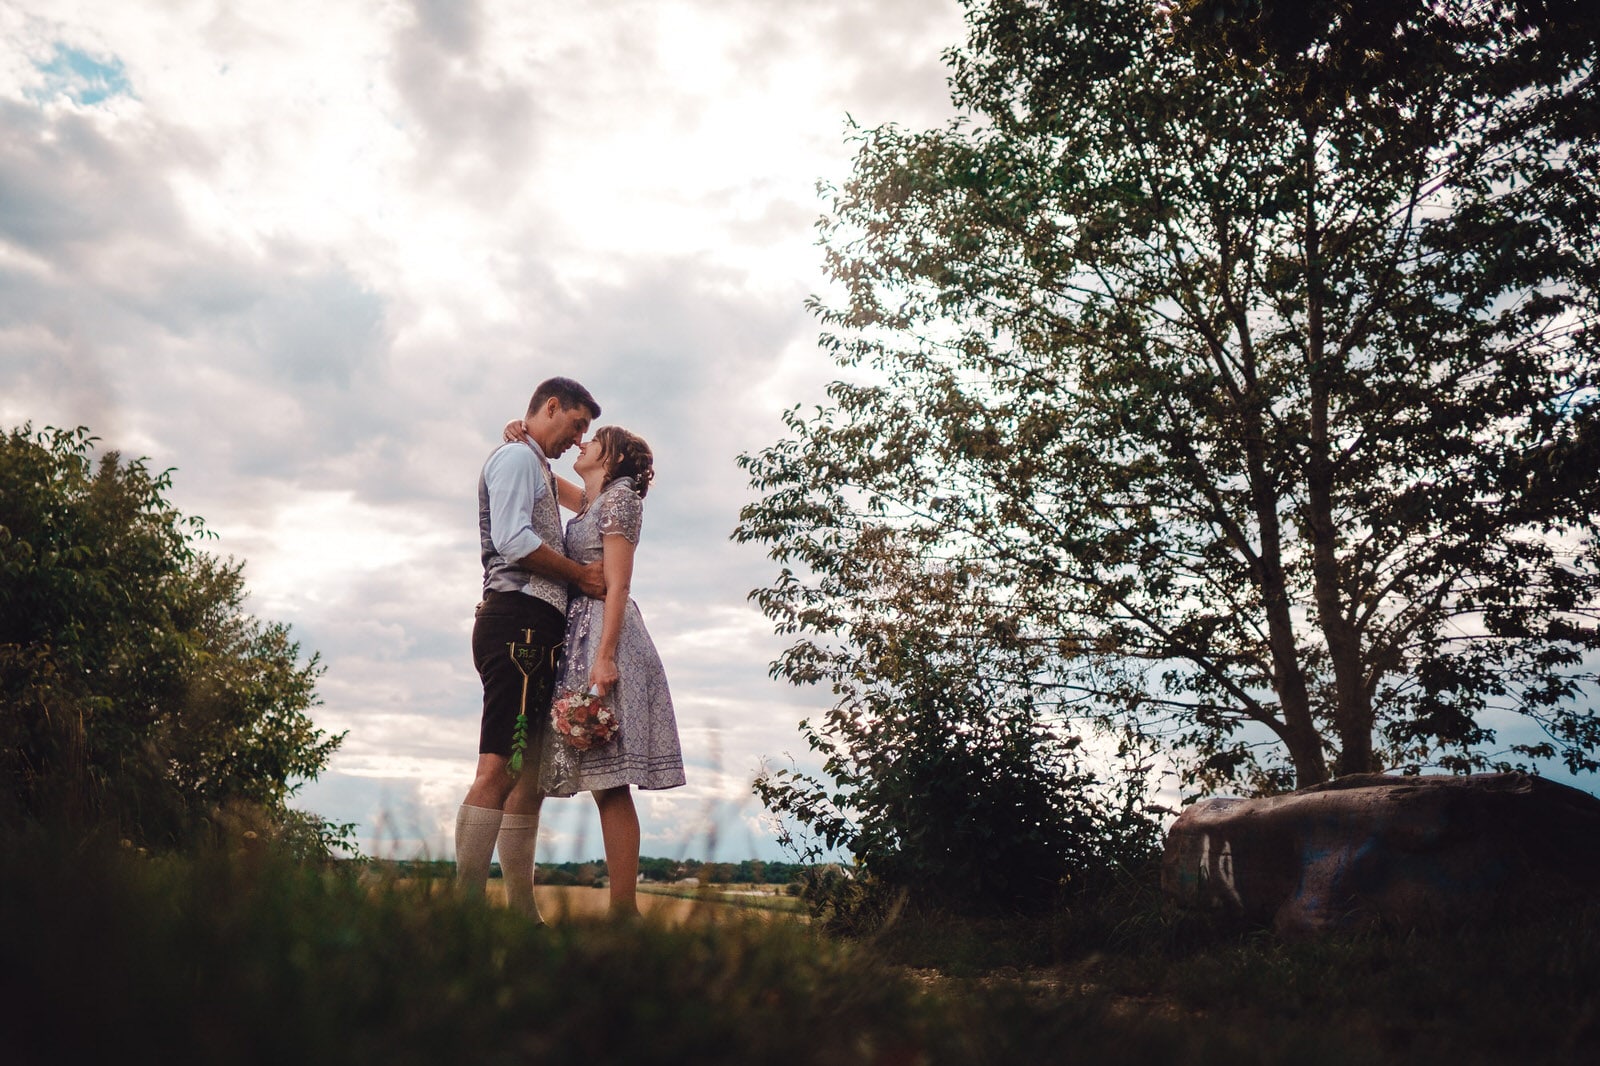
<point x="1256" y="387"/>
<point x="137" y="695"/>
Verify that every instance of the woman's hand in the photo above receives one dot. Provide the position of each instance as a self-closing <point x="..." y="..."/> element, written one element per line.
<point x="603" y="674"/>
<point x="515" y="429"/>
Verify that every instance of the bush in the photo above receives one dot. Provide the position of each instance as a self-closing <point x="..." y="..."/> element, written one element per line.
<point x="137" y="696"/>
<point x="952" y="791"/>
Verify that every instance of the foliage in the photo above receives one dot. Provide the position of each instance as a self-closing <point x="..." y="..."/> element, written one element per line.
<point x="948" y="781"/>
<point x="309" y="838"/>
<point x="1242" y="399"/>
<point x="1342" y="39"/>
<point x="743" y="872"/>
<point x="137" y="694"/>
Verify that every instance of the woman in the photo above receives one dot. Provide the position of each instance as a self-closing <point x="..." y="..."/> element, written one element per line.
<point x="608" y="651"/>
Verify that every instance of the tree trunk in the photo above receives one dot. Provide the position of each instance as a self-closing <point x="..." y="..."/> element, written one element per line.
<point x="1288" y="679"/>
<point x="1352" y="710"/>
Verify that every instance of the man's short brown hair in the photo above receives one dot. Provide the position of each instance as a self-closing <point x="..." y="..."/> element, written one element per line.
<point x="568" y="392"/>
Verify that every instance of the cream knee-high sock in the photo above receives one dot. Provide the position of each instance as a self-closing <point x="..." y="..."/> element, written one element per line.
<point x="519" y="833"/>
<point x="476" y="829"/>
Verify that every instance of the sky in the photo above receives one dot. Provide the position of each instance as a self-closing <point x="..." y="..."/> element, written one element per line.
<point x="312" y="256"/>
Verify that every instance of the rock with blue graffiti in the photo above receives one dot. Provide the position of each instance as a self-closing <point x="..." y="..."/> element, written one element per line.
<point x="1373" y="850"/>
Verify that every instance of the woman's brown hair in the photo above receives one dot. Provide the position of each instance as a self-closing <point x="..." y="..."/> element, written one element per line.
<point x="626" y="455"/>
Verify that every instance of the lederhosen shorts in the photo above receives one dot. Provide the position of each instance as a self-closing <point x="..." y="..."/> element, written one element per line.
<point x="504" y="618"/>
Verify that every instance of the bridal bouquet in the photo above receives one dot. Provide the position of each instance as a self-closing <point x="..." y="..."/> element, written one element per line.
<point x="583" y="720"/>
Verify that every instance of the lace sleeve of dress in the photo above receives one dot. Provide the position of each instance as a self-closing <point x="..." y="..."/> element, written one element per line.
<point x="621" y="512"/>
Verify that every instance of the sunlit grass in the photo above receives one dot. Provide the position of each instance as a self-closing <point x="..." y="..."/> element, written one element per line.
<point x="745" y="897"/>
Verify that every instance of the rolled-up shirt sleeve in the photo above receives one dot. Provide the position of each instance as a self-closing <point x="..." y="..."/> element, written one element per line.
<point x="516" y="481"/>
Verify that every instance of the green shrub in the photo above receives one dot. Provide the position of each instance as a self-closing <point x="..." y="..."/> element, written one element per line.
<point x="135" y="692"/>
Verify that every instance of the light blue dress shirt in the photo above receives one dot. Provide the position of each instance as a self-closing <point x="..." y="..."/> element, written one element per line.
<point x="517" y="477"/>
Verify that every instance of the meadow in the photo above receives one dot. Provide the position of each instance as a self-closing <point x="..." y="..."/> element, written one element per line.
<point x="244" y="956"/>
<point x="668" y="905"/>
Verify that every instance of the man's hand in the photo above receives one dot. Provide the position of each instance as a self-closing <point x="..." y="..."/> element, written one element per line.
<point x="593" y="580"/>
<point x="588" y="578"/>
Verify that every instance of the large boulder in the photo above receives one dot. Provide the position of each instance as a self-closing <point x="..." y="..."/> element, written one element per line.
<point x="1398" y="852"/>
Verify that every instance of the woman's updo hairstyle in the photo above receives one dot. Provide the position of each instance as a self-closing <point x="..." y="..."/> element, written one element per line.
<point x="626" y="455"/>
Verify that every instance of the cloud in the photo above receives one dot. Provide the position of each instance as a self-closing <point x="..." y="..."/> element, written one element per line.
<point x="71" y="180"/>
<point x="113" y="302"/>
<point x="454" y="26"/>
<point x="480" y="123"/>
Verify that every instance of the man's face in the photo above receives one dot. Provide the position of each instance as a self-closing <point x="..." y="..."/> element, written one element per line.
<point x="567" y="428"/>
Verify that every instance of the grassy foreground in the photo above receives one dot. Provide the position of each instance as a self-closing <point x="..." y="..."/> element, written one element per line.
<point x="1525" y="991"/>
<point x="249" y="958"/>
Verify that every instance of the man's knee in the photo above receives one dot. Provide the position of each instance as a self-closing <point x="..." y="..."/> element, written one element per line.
<point x="492" y="782"/>
<point x="498" y="783"/>
<point x="525" y="797"/>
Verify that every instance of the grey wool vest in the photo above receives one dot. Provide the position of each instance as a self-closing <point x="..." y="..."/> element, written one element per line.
<point x="504" y="575"/>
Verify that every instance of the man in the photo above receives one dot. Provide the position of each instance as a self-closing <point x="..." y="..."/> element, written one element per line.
<point x="525" y="581"/>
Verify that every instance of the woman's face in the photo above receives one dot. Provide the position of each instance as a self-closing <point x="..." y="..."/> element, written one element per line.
<point x="591" y="456"/>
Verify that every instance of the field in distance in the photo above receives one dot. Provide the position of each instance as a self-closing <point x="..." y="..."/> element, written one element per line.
<point x="667" y="904"/>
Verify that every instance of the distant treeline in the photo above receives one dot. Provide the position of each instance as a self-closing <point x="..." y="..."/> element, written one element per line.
<point x="745" y="872"/>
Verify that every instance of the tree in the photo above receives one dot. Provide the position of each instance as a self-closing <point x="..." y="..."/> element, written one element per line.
<point x="1337" y="41"/>
<point x="1254" y="389"/>
<point x="949" y="779"/>
<point x="137" y="694"/>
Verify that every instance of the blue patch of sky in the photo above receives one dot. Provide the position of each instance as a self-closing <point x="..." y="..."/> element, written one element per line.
<point x="81" y="77"/>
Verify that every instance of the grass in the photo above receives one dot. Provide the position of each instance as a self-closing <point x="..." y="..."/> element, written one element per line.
<point x="246" y="957"/>
<point x="1524" y="991"/>
<point x="249" y="958"/>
